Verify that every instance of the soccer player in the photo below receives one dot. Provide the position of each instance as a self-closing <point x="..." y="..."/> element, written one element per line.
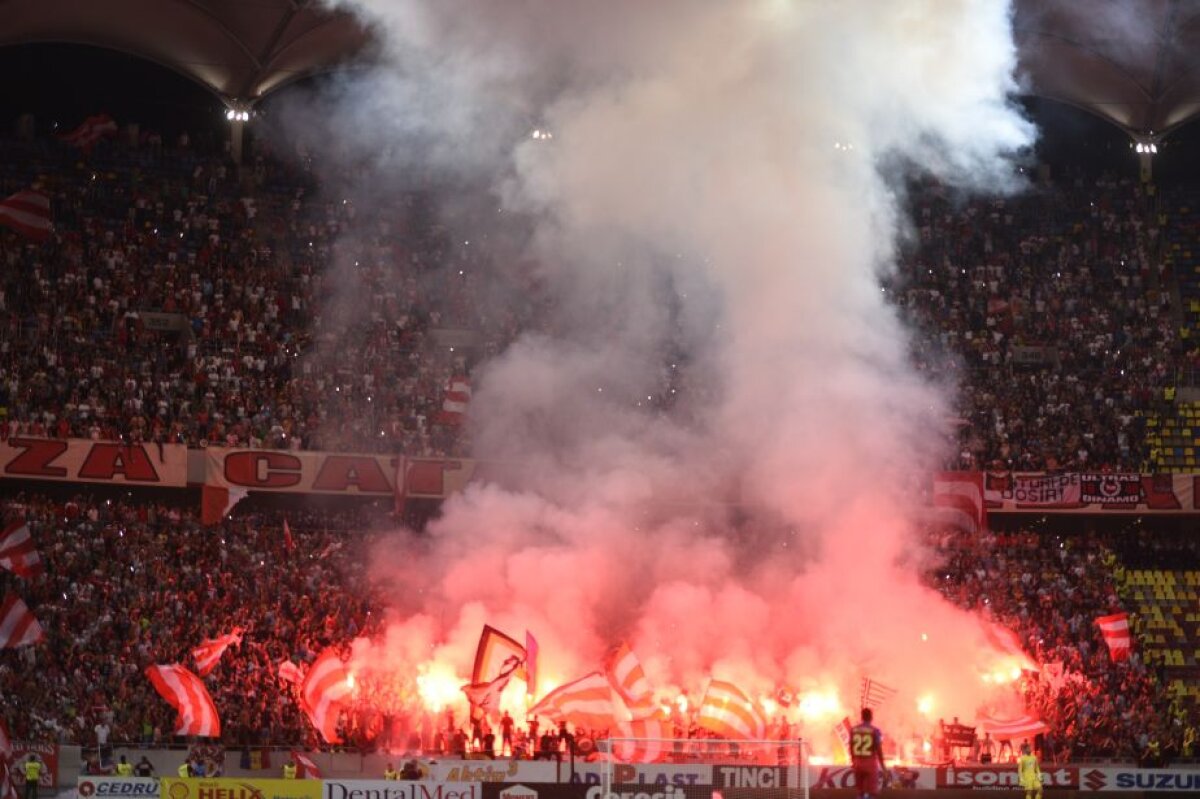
<point x="866" y="755"/>
<point x="1029" y="773"/>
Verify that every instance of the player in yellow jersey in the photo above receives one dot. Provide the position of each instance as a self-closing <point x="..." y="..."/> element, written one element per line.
<point x="1029" y="773"/>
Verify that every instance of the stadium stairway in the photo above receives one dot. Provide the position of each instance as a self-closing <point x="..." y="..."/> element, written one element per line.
<point x="1173" y="433"/>
<point x="1167" y="623"/>
<point x="1173" y="438"/>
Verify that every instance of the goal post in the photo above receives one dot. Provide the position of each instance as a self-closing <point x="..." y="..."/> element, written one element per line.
<point x="702" y="768"/>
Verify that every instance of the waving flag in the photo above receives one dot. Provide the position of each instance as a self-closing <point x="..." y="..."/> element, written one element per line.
<point x="289" y="543"/>
<point x="484" y="697"/>
<point x="18" y="627"/>
<point x="289" y="671"/>
<point x="1023" y="727"/>
<point x="496" y="654"/>
<point x="586" y="702"/>
<point x="208" y="654"/>
<point x="28" y="213"/>
<point x="216" y="501"/>
<point x="842" y="730"/>
<point x="649" y="742"/>
<point x="1115" y="629"/>
<point x="874" y="693"/>
<point x="90" y="131"/>
<point x="628" y="679"/>
<point x="326" y="686"/>
<point x="17" y="552"/>
<point x="958" y="500"/>
<point x="306" y="769"/>
<point x="455" y="399"/>
<point x="8" y="789"/>
<point x="728" y="712"/>
<point x="531" y="664"/>
<point x="1009" y="643"/>
<point x="186" y="693"/>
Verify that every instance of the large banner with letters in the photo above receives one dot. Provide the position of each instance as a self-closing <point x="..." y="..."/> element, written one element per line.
<point x="84" y="461"/>
<point x="307" y="472"/>
<point x="130" y="787"/>
<point x="1091" y="492"/>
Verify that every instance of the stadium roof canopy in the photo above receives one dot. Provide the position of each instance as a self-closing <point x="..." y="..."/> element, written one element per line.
<point x="238" y="49"/>
<point x="1135" y="63"/>
<point x="1131" y="62"/>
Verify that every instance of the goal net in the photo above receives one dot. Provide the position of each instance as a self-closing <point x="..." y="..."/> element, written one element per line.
<point x="702" y="768"/>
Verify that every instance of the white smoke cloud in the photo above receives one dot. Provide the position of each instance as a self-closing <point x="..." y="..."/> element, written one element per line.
<point x="713" y="213"/>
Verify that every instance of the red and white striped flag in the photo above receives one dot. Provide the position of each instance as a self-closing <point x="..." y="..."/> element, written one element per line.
<point x="730" y="713"/>
<point x="289" y="671"/>
<point x="18" y="627"/>
<point x="958" y="500"/>
<point x="208" y="654"/>
<point x="649" y="744"/>
<point x="531" y="664"/>
<point x="8" y="789"/>
<point x="186" y="693"/>
<point x="1006" y="730"/>
<point x="843" y="730"/>
<point x="1115" y="629"/>
<point x="28" y="213"/>
<point x="326" y="686"/>
<point x="306" y="769"/>
<point x="90" y="131"/>
<point x="17" y="551"/>
<point x="628" y="679"/>
<point x="586" y="702"/>
<point x="455" y="400"/>
<point x="6" y="747"/>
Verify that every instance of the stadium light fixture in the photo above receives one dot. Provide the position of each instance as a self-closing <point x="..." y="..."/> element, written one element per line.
<point x="1146" y="144"/>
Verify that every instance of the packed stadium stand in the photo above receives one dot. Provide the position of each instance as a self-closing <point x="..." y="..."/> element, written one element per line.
<point x="1057" y="310"/>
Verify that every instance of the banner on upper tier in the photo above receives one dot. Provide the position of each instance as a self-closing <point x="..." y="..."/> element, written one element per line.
<point x="310" y="472"/>
<point x="84" y="461"/>
<point x="134" y="787"/>
<point x="234" y="788"/>
<point x="1089" y="492"/>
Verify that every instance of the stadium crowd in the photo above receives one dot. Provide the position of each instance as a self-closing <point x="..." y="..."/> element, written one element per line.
<point x="1050" y="590"/>
<point x="1052" y="312"/>
<point x="123" y="578"/>
<point x="181" y="302"/>
<point x="129" y="584"/>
